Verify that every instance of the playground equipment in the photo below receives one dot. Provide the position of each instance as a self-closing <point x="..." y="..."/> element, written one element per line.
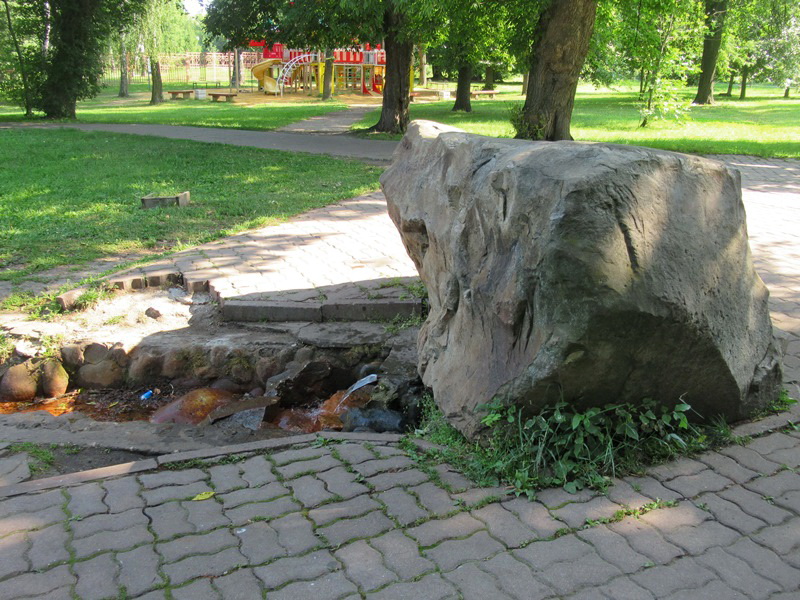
<point x="356" y="70"/>
<point x="261" y="72"/>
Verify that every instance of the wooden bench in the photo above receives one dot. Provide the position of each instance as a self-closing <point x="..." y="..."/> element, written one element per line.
<point x="215" y="96"/>
<point x="477" y="93"/>
<point x="185" y="93"/>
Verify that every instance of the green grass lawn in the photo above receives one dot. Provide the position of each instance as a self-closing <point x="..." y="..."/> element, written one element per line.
<point x="765" y="124"/>
<point x="77" y="197"/>
<point x="108" y="108"/>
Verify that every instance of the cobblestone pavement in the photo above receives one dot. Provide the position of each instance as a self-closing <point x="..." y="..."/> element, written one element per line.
<point x="363" y="520"/>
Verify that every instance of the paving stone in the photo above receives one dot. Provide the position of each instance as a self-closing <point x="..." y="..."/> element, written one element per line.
<point x="475" y="584"/>
<point x="105" y="523"/>
<point x="295" y="533"/>
<point x="690" y="486"/>
<point x="681" y="467"/>
<point x="86" y="500"/>
<point x="317" y="465"/>
<point x="47" y="546"/>
<point x="578" y="514"/>
<point x="262" y="510"/>
<point x="14" y="469"/>
<point x="504" y="526"/>
<point x="755" y="505"/>
<point x="621" y="492"/>
<point x="401" y="554"/>
<point x="309" y="491"/>
<point x="452" y="479"/>
<point x="696" y="539"/>
<point x="475" y="496"/>
<point x="225" y="478"/>
<point x="775" y="485"/>
<point x="138" y="572"/>
<point x="750" y="459"/>
<point x="737" y="574"/>
<point x="122" y="494"/>
<point x="772" y="442"/>
<point x="364" y="565"/>
<point x="25" y="521"/>
<point x="154" y="595"/>
<point x="591" y="571"/>
<point x="623" y="588"/>
<point x="329" y="587"/>
<point x="297" y="568"/>
<point x="727" y="467"/>
<point x="212" y="565"/>
<point x="151" y="481"/>
<point x="783" y="539"/>
<point x="62" y="593"/>
<point x="257" y="471"/>
<point x="436" y="501"/>
<point x="402" y="506"/>
<point x="241" y="584"/>
<point x="430" y="587"/>
<point x="96" y="578"/>
<point x="167" y="493"/>
<point x="36" y="585"/>
<point x="710" y="591"/>
<point x="382" y="465"/>
<point x="30" y="503"/>
<point x="204" y="543"/>
<point x="197" y="590"/>
<point x="354" y="453"/>
<point x="789" y="457"/>
<point x="168" y="520"/>
<point x="614" y="549"/>
<point x="516" y="578"/>
<point x="385" y="481"/>
<point x="457" y="526"/>
<point x="534" y="515"/>
<point x="653" y="489"/>
<point x="298" y="454"/>
<point x="354" y="507"/>
<point x="260" y="494"/>
<point x="766" y="563"/>
<point x="204" y="515"/>
<point x="684" y="574"/>
<point x="558" y="497"/>
<point x="385" y="451"/>
<point x="729" y="514"/>
<point x="646" y="540"/>
<point x="12" y="554"/>
<point x="259" y="543"/>
<point x="106" y="541"/>
<point x="345" y="530"/>
<point x="451" y="553"/>
<point x="341" y="482"/>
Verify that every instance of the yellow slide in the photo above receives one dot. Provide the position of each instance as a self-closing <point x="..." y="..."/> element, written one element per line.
<point x="260" y="72"/>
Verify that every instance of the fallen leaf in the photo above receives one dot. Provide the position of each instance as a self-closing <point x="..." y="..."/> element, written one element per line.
<point x="204" y="496"/>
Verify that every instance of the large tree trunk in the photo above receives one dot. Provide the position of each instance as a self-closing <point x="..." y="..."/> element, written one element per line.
<point x="397" y="84"/>
<point x="715" y="23"/>
<point x="26" y="90"/>
<point x="423" y="67"/>
<point x="559" y="50"/>
<point x="237" y="70"/>
<point x="327" y="78"/>
<point x="123" y="68"/>
<point x="488" y="80"/>
<point x="743" y="92"/>
<point x="463" y="89"/>
<point x="157" y="94"/>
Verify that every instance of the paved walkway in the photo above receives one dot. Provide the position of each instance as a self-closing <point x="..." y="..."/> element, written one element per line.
<point x="363" y="520"/>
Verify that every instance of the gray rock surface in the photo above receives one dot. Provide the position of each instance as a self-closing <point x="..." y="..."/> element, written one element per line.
<point x="590" y="272"/>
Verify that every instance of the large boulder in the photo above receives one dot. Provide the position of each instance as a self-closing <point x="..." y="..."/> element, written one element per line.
<point x="591" y="273"/>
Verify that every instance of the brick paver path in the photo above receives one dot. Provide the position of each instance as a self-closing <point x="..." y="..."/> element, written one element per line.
<point x="360" y="520"/>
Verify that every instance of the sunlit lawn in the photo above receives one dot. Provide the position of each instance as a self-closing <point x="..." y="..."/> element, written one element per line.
<point x="765" y="124"/>
<point x="78" y="196"/>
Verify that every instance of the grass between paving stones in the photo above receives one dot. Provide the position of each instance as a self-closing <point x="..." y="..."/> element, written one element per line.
<point x="77" y="199"/>
<point x="765" y="124"/>
<point x="108" y="108"/>
<point x="559" y="447"/>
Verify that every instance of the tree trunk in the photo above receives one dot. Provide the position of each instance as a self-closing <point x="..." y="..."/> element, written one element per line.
<point x="786" y="91"/>
<point x="743" y="92"/>
<point x="26" y="90"/>
<point x="397" y="84"/>
<point x="327" y="78"/>
<point x="157" y="95"/>
<point x="45" y="29"/>
<point x="463" y="89"/>
<point x="715" y="23"/>
<point x="731" y="81"/>
<point x="423" y="67"/>
<point x="525" y="77"/>
<point x="559" y="50"/>
<point x="123" y="68"/>
<point x="237" y="70"/>
<point x="488" y="80"/>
